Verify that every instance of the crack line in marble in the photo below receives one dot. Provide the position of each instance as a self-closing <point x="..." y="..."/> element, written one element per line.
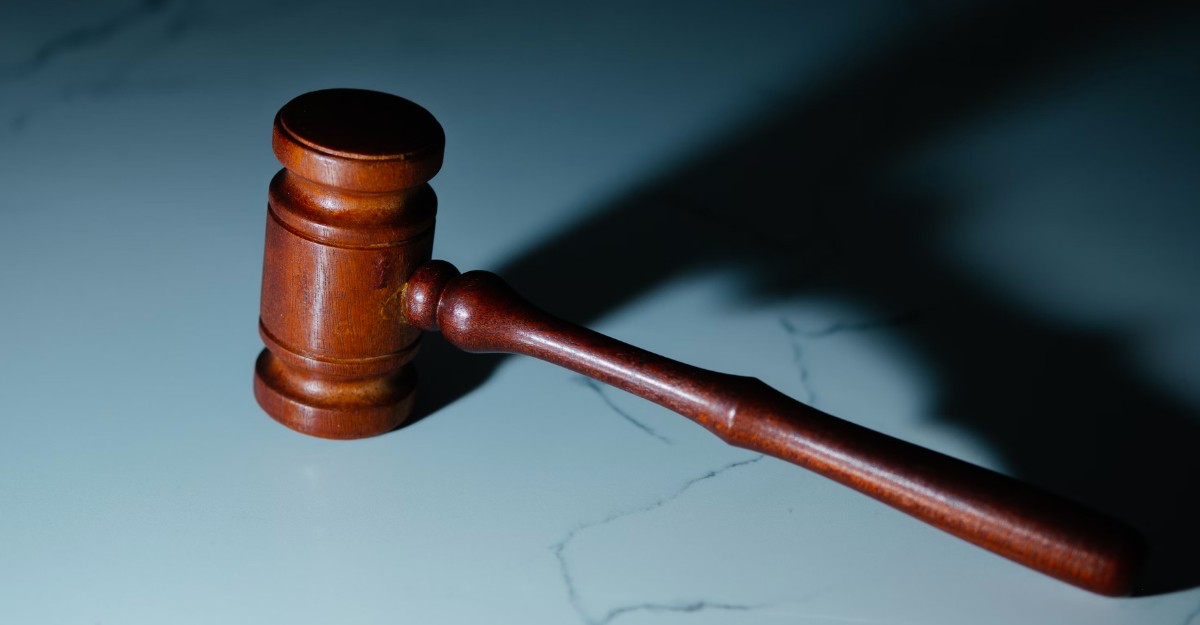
<point x="794" y="335"/>
<point x="700" y="606"/>
<point x="559" y="550"/>
<point x="797" y="335"/>
<point x="693" y="606"/>
<point x="600" y="390"/>
<point x="838" y="327"/>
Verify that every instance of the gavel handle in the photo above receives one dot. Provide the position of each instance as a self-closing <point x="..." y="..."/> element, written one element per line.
<point x="478" y="312"/>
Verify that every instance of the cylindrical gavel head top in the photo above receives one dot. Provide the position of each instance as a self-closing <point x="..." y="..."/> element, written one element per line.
<point x="349" y="218"/>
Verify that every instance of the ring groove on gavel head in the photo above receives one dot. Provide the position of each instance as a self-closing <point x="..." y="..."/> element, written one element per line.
<point x="349" y="218"/>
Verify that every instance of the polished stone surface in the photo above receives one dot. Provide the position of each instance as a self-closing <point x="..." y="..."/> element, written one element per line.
<point x="972" y="230"/>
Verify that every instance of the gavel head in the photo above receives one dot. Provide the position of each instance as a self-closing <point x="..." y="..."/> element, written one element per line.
<point x="349" y="218"/>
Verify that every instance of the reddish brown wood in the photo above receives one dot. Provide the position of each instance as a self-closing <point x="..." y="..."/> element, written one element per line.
<point x="349" y="218"/>
<point x="477" y="312"/>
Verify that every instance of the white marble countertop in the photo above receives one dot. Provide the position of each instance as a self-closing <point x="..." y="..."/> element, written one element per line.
<point x="974" y="231"/>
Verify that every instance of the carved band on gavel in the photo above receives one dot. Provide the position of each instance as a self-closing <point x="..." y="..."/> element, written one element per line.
<point x="348" y="286"/>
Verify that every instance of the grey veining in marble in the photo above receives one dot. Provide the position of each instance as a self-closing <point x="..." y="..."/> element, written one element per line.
<point x="561" y="549"/>
<point x="971" y="228"/>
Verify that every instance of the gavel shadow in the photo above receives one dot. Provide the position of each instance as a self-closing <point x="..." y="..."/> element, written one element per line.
<point x="800" y="200"/>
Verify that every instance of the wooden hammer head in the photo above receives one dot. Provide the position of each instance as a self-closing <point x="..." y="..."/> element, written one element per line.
<point x="349" y="218"/>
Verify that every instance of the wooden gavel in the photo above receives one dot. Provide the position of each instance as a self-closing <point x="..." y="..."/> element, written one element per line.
<point x="348" y="286"/>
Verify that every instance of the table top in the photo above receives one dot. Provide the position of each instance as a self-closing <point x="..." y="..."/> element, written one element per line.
<point x="973" y="230"/>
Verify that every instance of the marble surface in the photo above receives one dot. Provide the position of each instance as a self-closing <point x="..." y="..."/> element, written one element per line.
<point x="972" y="230"/>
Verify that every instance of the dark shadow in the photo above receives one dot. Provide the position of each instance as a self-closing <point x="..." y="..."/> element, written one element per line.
<point x="1065" y="409"/>
<point x="445" y="373"/>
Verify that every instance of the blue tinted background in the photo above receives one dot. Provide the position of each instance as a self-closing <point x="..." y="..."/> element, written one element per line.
<point x="973" y="228"/>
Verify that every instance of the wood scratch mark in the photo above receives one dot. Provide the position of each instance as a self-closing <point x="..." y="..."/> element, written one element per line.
<point x="392" y="303"/>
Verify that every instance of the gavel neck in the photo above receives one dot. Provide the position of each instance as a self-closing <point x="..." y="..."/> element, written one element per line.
<point x="478" y="312"/>
<point x="423" y="293"/>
